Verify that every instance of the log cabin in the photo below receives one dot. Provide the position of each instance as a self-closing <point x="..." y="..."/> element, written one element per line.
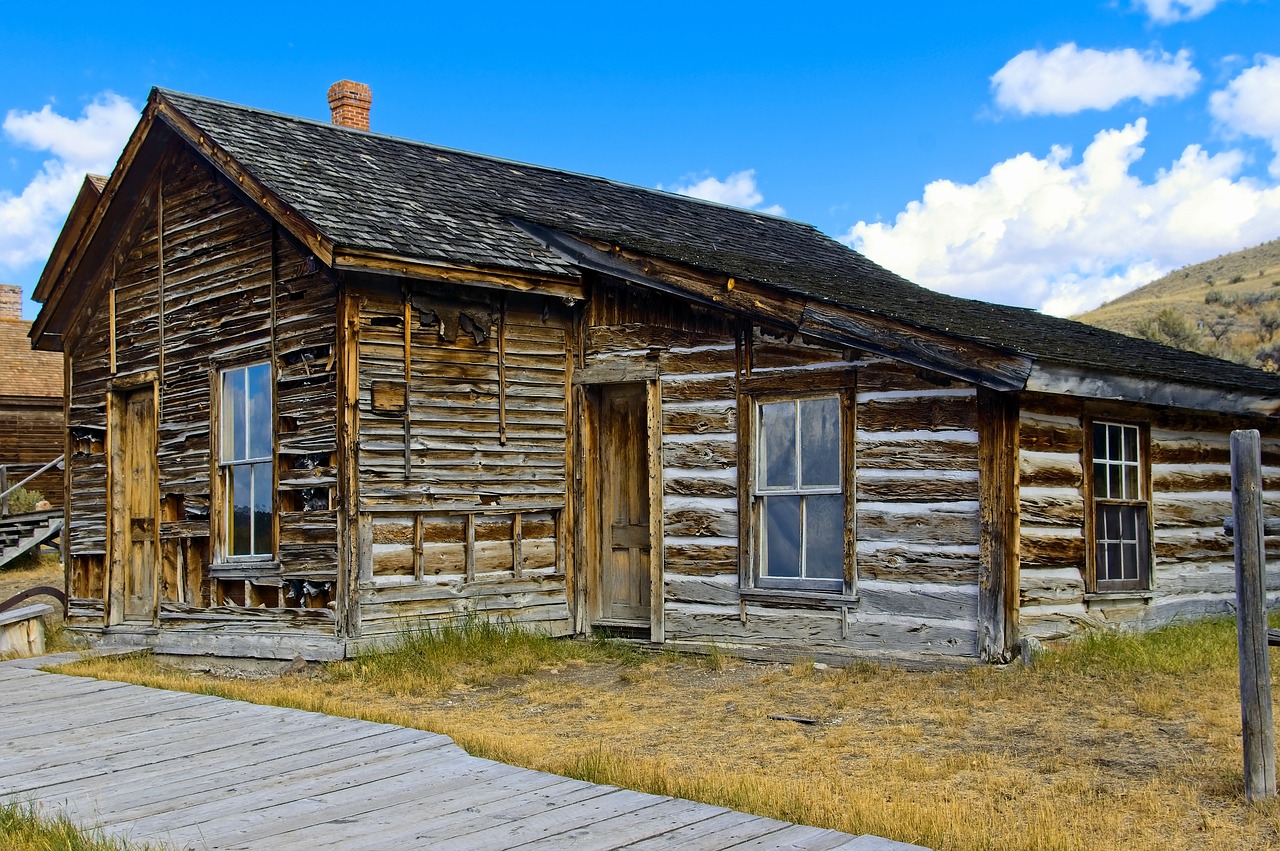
<point x="326" y="385"/>
<point x="31" y="424"/>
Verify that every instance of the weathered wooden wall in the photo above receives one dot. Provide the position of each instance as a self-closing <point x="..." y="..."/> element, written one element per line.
<point x="31" y="435"/>
<point x="1193" y="570"/>
<point x="222" y="288"/>
<point x="916" y="485"/>
<point x="462" y="456"/>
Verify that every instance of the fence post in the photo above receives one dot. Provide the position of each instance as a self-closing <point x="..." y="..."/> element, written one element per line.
<point x="4" y="486"/>
<point x="1251" y="620"/>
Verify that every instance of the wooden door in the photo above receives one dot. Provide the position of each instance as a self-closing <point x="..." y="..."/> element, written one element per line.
<point x="623" y="485"/>
<point x="134" y="498"/>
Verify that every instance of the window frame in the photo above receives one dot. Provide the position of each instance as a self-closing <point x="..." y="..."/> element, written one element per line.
<point x="1140" y="501"/>
<point x="754" y="536"/>
<point x="226" y="466"/>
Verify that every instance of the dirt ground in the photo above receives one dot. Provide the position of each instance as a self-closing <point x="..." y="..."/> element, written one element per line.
<point x="983" y="758"/>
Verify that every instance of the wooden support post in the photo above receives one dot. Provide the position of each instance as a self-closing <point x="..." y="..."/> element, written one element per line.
<point x="4" y="486"/>
<point x="469" y="553"/>
<point x="502" y="370"/>
<point x="408" y="383"/>
<point x="1251" y="621"/>
<point x="517" y="535"/>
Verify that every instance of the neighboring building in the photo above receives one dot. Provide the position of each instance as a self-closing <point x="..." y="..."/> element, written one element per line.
<point x="326" y="385"/>
<point x="31" y="421"/>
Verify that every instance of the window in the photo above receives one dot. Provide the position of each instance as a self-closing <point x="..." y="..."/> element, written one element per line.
<point x="799" y="495"/>
<point x="1121" y="534"/>
<point x="245" y="460"/>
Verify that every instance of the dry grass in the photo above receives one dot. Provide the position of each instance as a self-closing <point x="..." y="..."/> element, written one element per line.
<point x="1116" y="742"/>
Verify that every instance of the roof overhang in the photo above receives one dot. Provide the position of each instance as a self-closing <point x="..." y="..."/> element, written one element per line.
<point x="948" y="355"/>
<point x="345" y="260"/>
<point x="1066" y="380"/>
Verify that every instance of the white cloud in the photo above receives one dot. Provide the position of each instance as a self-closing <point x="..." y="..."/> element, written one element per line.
<point x="29" y="221"/>
<point x="1173" y="11"/>
<point x="737" y="190"/>
<point x="1250" y="105"/>
<point x="1064" y="236"/>
<point x="1067" y="79"/>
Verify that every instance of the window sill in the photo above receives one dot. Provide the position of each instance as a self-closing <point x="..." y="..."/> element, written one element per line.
<point x="1119" y="596"/>
<point x="247" y="569"/>
<point x="796" y="597"/>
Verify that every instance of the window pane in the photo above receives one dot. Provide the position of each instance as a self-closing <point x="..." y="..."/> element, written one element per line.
<point x="824" y="536"/>
<point x="782" y="536"/>
<point x="239" y="518"/>
<point x="820" y="442"/>
<point x="1128" y="526"/>
<point x="778" y="434"/>
<point x="1115" y="485"/>
<point x="1099" y="480"/>
<point x="1113" y="563"/>
<point x="1115" y="451"/>
<point x="1130" y="444"/>
<point x="262" y="509"/>
<point x="1131" y="481"/>
<point x="1099" y="441"/>
<point x="259" y="411"/>
<point x="1130" y="555"/>
<point x="233" y="411"/>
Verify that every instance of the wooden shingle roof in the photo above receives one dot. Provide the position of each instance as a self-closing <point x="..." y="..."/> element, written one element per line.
<point x="346" y="191"/>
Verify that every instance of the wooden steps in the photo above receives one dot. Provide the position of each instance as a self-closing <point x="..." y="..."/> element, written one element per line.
<point x="195" y="771"/>
<point x="22" y="533"/>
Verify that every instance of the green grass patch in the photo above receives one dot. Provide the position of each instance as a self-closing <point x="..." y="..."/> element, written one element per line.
<point x="470" y="651"/>
<point x="21" y="829"/>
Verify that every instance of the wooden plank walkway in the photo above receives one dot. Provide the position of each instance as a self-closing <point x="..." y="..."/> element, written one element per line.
<point x="198" y="772"/>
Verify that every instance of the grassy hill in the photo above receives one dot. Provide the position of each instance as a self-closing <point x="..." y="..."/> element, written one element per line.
<point x="1228" y="307"/>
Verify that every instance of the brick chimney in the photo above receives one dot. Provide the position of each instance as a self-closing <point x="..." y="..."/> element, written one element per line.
<point x="10" y="301"/>
<point x="349" y="104"/>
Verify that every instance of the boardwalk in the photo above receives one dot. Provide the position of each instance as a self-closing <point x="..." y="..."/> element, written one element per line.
<point x="197" y="772"/>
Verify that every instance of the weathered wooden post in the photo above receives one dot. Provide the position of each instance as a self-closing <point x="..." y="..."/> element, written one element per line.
<point x="1251" y="621"/>
<point x="4" y="486"/>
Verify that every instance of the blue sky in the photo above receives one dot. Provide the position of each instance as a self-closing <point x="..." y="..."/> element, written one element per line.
<point x="1051" y="154"/>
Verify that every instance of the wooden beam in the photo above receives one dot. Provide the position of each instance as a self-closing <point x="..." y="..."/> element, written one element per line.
<point x="408" y="382"/>
<point x="998" y="525"/>
<point x="355" y="260"/>
<point x="1064" y="380"/>
<point x="657" y="617"/>
<point x="502" y="370"/>
<point x="1251" y="621"/>
<point x="347" y="355"/>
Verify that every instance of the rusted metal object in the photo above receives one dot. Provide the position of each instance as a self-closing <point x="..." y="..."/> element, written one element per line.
<point x="47" y="590"/>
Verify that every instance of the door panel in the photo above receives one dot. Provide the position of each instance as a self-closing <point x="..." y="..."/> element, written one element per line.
<point x="624" y="586"/>
<point x="134" y="497"/>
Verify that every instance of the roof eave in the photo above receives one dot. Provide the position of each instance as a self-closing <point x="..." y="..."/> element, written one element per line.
<point x="1066" y="380"/>
<point x="946" y="354"/>
<point x="357" y="260"/>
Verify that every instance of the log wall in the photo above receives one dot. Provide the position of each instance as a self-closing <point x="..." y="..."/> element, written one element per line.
<point x="222" y="288"/>
<point x="462" y="458"/>
<point x="1193" y="567"/>
<point x="916" y="486"/>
